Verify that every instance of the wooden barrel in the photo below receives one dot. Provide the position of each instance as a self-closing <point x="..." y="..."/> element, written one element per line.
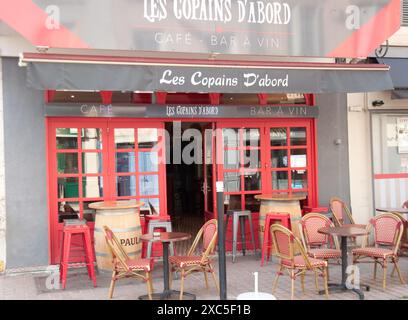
<point x="123" y="218"/>
<point x="280" y="204"/>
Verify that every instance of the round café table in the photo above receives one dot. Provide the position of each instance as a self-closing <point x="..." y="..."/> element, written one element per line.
<point x="345" y="231"/>
<point x="166" y="238"/>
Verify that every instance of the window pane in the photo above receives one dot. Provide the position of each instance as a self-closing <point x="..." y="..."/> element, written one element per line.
<point x="68" y="210"/>
<point x="68" y="188"/>
<point x="92" y="162"/>
<point x="231" y="137"/>
<point x="67" y="138"/>
<point x="252" y="181"/>
<point x="280" y="180"/>
<point x="89" y="214"/>
<point x="148" y="162"/>
<point x="233" y="202"/>
<point x="147" y="137"/>
<point x="299" y="179"/>
<point x="278" y="137"/>
<point x="126" y="186"/>
<point x="251" y="203"/>
<point x="125" y="162"/>
<point x="252" y="138"/>
<point x="279" y="158"/>
<point x="125" y="138"/>
<point x="91" y="138"/>
<point x="67" y="163"/>
<point x="298" y="158"/>
<point x="149" y="185"/>
<point x="298" y="136"/>
<point x="92" y="187"/>
<point x="252" y="158"/>
<point x="231" y="159"/>
<point x="154" y="202"/>
<point x="232" y="181"/>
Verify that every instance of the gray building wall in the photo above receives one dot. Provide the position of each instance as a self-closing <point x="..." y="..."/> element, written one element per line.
<point x="333" y="159"/>
<point x="25" y="166"/>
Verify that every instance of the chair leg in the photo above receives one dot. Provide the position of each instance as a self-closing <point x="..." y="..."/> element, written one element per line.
<point x="292" y="277"/>
<point x="385" y="275"/>
<point x="302" y="280"/>
<point x="171" y="278"/>
<point x="112" y="284"/>
<point x="215" y="280"/>
<point x="327" y="270"/>
<point x="182" y="285"/>
<point x="375" y="269"/>
<point x="149" y="285"/>
<point x="205" y="279"/>
<point x="326" y="286"/>
<point x="317" y="282"/>
<point x="275" y="282"/>
<point x="396" y="267"/>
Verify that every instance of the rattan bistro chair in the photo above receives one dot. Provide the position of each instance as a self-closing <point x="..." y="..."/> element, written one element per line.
<point x="286" y="244"/>
<point x="124" y="267"/>
<point x="340" y="211"/>
<point x="388" y="229"/>
<point x="318" y="245"/>
<point x="192" y="262"/>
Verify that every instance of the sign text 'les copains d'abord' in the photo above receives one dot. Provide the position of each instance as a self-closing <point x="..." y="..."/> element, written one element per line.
<point x="257" y="12"/>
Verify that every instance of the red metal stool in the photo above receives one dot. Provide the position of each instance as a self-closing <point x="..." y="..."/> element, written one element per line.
<point x="68" y="232"/>
<point x="271" y="218"/>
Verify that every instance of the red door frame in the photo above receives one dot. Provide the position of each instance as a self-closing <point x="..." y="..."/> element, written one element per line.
<point x="53" y="122"/>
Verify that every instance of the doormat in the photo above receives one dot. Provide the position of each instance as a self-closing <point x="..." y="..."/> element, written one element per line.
<point x="76" y="280"/>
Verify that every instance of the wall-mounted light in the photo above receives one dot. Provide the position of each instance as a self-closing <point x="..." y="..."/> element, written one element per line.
<point x="377" y="103"/>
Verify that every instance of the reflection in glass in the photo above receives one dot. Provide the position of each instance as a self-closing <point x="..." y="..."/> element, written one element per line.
<point x="149" y="185"/>
<point x="68" y="188"/>
<point x="125" y="138"/>
<point x="233" y="202"/>
<point x="298" y="158"/>
<point x="251" y="203"/>
<point x="278" y="137"/>
<point x="148" y="204"/>
<point x="298" y="136"/>
<point x="252" y="158"/>
<point x="232" y="181"/>
<point x="147" y="137"/>
<point x="67" y="163"/>
<point x="231" y="137"/>
<point x="148" y="162"/>
<point x="92" y="187"/>
<point x="299" y="179"/>
<point x="89" y="214"/>
<point x="280" y="180"/>
<point x="68" y="210"/>
<point x="279" y="158"/>
<point x="252" y="181"/>
<point x="92" y="162"/>
<point x="91" y="138"/>
<point x="125" y="162"/>
<point x="252" y="137"/>
<point x="67" y="138"/>
<point x="126" y="186"/>
<point x="231" y="159"/>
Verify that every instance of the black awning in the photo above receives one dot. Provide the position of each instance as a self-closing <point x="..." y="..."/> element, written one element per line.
<point x="58" y="72"/>
<point x="399" y="77"/>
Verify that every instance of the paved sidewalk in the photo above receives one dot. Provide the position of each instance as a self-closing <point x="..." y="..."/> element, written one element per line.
<point x="240" y="279"/>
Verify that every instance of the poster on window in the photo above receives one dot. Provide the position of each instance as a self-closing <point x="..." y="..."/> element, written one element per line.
<point x="402" y="129"/>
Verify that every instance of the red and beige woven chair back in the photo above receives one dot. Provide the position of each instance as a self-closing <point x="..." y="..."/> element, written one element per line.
<point x="309" y="230"/>
<point x="340" y="211"/>
<point x="119" y="256"/>
<point x="404" y="238"/>
<point x="208" y="234"/>
<point x="286" y="243"/>
<point x="388" y="230"/>
<point x="405" y="204"/>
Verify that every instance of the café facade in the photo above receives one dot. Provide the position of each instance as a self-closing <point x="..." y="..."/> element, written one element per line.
<point x="239" y="89"/>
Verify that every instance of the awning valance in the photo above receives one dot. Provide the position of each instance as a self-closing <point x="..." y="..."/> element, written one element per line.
<point x="68" y="72"/>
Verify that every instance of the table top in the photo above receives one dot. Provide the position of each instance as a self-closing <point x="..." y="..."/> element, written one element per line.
<point x="391" y="209"/>
<point x="121" y="204"/>
<point x="281" y="197"/>
<point x="348" y="230"/>
<point x="166" y="237"/>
